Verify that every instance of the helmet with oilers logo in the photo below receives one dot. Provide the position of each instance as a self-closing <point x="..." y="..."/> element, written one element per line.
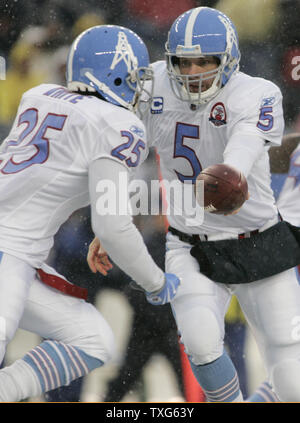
<point x="113" y="61"/>
<point x="199" y="33"/>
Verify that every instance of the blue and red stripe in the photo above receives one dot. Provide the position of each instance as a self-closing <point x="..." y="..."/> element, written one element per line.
<point x="57" y="364"/>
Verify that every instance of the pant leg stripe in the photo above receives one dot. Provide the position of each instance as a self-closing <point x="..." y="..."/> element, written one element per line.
<point x="79" y="359"/>
<point x="266" y="393"/>
<point x="73" y="361"/>
<point x="52" y="367"/>
<point x="46" y="366"/>
<point x="33" y="362"/>
<point x="224" y="389"/>
<point x="57" y="364"/>
<point x="226" y="395"/>
<point x="66" y="371"/>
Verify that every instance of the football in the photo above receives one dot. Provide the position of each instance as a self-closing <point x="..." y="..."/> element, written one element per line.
<point x="225" y="189"/>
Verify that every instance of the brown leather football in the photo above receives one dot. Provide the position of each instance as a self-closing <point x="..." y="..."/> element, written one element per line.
<point x="225" y="189"/>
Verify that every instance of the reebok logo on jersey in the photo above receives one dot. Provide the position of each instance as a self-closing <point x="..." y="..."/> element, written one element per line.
<point x="157" y="105"/>
<point x="268" y="101"/>
<point x="218" y="115"/>
<point x="138" y="131"/>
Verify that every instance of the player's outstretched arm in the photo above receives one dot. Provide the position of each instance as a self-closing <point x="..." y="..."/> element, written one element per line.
<point x="98" y="261"/>
<point x="119" y="236"/>
<point x="97" y="258"/>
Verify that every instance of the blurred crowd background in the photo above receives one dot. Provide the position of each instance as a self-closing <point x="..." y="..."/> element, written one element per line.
<point x="34" y="39"/>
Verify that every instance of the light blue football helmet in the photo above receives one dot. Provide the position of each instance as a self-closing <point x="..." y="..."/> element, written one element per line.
<point x="201" y="32"/>
<point x="113" y="61"/>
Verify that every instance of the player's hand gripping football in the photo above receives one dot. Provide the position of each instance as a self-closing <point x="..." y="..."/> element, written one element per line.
<point x="97" y="258"/>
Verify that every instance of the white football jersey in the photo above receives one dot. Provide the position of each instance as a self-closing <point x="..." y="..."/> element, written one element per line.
<point x="289" y="199"/>
<point x="44" y="163"/>
<point x="188" y="141"/>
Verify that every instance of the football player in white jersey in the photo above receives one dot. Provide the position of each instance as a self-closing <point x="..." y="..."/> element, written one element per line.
<point x="205" y="111"/>
<point x="63" y="144"/>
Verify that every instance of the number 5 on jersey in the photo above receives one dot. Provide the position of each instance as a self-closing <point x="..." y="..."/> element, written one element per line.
<point x="184" y="130"/>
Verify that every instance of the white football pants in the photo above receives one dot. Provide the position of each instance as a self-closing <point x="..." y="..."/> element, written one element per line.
<point x="271" y="307"/>
<point x="28" y="303"/>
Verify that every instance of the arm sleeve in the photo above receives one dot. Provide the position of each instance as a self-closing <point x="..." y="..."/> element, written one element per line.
<point x="242" y="152"/>
<point x="260" y="125"/>
<point x="115" y="228"/>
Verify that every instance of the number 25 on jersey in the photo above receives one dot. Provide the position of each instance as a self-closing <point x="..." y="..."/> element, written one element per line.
<point x="32" y="141"/>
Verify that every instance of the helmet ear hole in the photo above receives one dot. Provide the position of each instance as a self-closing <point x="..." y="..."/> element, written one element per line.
<point x="118" y="82"/>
